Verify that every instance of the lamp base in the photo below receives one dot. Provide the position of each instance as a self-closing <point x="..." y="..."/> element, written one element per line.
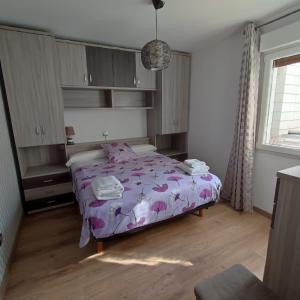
<point x="70" y="141"/>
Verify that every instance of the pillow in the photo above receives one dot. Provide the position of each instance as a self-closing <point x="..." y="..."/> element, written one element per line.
<point x="85" y="156"/>
<point x="117" y="152"/>
<point x="141" y="149"/>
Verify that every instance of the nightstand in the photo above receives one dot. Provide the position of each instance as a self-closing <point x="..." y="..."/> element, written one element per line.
<point x="46" y="187"/>
<point x="175" y="154"/>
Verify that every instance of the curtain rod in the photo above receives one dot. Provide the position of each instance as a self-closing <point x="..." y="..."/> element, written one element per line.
<point x="279" y="18"/>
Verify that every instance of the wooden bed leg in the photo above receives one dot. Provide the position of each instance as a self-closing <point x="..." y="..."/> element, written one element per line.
<point x="100" y="247"/>
<point x="200" y="213"/>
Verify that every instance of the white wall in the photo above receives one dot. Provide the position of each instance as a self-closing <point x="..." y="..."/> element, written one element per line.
<point x="214" y="98"/>
<point x="10" y="203"/>
<point x="120" y="124"/>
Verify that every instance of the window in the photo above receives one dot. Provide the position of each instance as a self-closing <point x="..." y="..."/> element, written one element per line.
<point x="280" y="115"/>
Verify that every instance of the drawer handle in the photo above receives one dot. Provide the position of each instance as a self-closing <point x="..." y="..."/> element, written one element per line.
<point x="48" y="180"/>
<point x="51" y="201"/>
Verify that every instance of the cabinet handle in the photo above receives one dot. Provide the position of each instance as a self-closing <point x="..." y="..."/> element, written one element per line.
<point x="85" y="78"/>
<point x="48" y="180"/>
<point x="37" y="130"/>
<point x="42" y="130"/>
<point x="91" y="79"/>
<point x="134" y="81"/>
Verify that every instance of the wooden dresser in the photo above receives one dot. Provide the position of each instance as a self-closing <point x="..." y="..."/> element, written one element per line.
<point x="282" y="271"/>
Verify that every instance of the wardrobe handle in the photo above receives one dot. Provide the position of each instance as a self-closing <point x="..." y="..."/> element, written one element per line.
<point x="42" y="130"/>
<point x="37" y="130"/>
<point x="85" y="78"/>
<point x="91" y="79"/>
<point x="134" y="81"/>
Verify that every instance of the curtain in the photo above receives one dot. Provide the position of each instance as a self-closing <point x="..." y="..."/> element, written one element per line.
<point x="239" y="176"/>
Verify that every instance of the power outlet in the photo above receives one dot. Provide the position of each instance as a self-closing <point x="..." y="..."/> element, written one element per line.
<point x="105" y="134"/>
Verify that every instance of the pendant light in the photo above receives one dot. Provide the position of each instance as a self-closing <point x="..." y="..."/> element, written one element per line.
<point x="156" y="55"/>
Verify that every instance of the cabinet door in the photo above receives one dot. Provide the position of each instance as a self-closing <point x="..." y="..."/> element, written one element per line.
<point x="51" y="113"/>
<point x="34" y="96"/>
<point x="21" y="87"/>
<point x="72" y="64"/>
<point x="145" y="79"/>
<point x="124" y="68"/>
<point x="100" y="66"/>
<point x="175" y="95"/>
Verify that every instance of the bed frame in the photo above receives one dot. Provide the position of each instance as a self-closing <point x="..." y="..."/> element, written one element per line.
<point x="198" y="211"/>
<point x="76" y="148"/>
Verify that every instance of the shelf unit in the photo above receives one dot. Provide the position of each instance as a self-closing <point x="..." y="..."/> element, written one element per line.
<point x="79" y="98"/>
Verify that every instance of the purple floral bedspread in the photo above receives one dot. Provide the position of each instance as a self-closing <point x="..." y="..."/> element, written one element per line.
<point x="155" y="190"/>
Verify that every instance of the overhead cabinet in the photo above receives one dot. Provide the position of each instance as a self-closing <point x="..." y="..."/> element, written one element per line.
<point x="145" y="79"/>
<point x="110" y="67"/>
<point x="32" y="88"/>
<point x="72" y="64"/>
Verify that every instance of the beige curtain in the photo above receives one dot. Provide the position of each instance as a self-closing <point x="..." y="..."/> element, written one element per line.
<point x="238" y="181"/>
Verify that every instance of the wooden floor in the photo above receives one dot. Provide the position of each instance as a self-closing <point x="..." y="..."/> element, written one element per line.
<point x="163" y="262"/>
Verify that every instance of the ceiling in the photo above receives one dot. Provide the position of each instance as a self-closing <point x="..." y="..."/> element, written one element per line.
<point x="186" y="25"/>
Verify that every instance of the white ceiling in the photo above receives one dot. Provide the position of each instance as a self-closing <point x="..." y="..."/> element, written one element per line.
<point x="186" y="25"/>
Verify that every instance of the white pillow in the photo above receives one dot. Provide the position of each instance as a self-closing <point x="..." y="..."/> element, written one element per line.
<point x="141" y="149"/>
<point x="85" y="156"/>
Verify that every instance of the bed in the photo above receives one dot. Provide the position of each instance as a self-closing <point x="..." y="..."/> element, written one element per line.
<point x="155" y="190"/>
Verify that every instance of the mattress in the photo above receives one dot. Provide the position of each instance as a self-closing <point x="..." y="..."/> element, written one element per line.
<point x="155" y="190"/>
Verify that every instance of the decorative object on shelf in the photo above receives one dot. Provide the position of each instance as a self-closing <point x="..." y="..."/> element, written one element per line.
<point x="70" y="132"/>
<point x="156" y="55"/>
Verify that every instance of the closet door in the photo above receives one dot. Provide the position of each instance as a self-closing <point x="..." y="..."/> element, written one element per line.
<point x="124" y="68"/>
<point x="51" y="112"/>
<point x="145" y="79"/>
<point x="100" y="66"/>
<point x="21" y="87"/>
<point x="72" y="64"/>
<point x="175" y="81"/>
<point x="31" y="83"/>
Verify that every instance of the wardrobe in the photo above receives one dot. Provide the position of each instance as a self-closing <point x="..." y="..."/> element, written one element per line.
<point x="44" y="76"/>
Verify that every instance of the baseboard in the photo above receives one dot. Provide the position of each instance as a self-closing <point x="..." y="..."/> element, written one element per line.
<point x="262" y="212"/>
<point x="5" y="275"/>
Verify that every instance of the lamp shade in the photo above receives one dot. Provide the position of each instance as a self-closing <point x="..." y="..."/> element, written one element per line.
<point x="156" y="55"/>
<point x="70" y="130"/>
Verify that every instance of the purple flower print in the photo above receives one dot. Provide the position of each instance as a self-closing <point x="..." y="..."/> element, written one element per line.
<point x="137" y="224"/>
<point x="189" y="207"/>
<point x="109" y="167"/>
<point x="127" y="189"/>
<point x="137" y="174"/>
<point x="169" y="172"/>
<point x="177" y="196"/>
<point x="206" y="193"/>
<point x="118" y="211"/>
<point x="114" y="145"/>
<point x="207" y="177"/>
<point x="161" y="188"/>
<point x="85" y="185"/>
<point x="158" y="206"/>
<point x="137" y="169"/>
<point x="124" y="180"/>
<point x="174" y="178"/>
<point x="97" y="203"/>
<point x="88" y="177"/>
<point x="97" y="223"/>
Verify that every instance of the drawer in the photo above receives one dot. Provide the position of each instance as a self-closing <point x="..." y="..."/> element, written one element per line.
<point x="180" y="157"/>
<point x="48" y="180"/>
<point x="48" y="191"/>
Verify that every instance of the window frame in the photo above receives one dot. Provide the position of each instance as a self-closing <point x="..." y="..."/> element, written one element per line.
<point x="266" y="83"/>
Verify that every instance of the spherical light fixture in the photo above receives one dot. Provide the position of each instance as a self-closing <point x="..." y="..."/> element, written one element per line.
<point x="156" y="55"/>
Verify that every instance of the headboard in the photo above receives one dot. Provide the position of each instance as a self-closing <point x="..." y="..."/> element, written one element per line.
<point x="80" y="147"/>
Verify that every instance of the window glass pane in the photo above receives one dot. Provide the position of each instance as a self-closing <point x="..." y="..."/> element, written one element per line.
<point x="283" y="119"/>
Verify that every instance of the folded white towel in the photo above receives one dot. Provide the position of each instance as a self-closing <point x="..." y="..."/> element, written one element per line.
<point x="192" y="163"/>
<point x="107" y="187"/>
<point x="201" y="170"/>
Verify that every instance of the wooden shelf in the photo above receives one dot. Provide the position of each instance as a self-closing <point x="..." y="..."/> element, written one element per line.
<point x="68" y="87"/>
<point x="170" y="152"/>
<point x="109" y="108"/>
<point x="45" y="170"/>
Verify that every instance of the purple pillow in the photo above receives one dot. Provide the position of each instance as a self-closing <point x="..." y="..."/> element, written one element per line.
<point x="118" y="152"/>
